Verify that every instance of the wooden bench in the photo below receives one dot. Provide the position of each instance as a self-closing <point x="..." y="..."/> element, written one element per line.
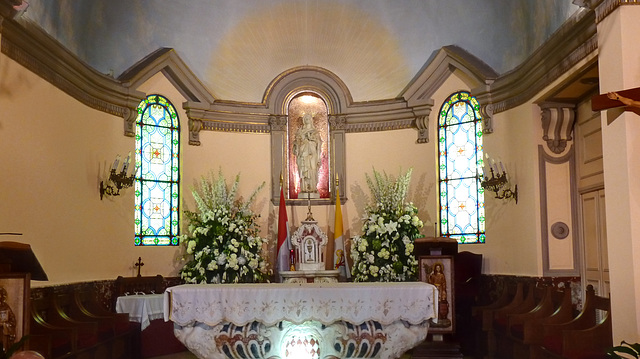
<point x="63" y="326"/>
<point x="525" y="329"/>
<point x="500" y="326"/>
<point x="587" y="336"/>
<point x="510" y="295"/>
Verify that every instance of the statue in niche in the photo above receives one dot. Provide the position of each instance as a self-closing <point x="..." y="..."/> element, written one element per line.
<point x="307" y="147"/>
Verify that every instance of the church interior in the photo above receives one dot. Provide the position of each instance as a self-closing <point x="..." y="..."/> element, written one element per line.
<point x="75" y="76"/>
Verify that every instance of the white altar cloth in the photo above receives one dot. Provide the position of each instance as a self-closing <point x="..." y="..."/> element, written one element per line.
<point x="333" y="320"/>
<point x="141" y="308"/>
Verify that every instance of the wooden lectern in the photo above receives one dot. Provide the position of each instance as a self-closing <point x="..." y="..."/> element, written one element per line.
<point x="19" y="258"/>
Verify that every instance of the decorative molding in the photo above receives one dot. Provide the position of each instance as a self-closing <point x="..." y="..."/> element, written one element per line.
<point x="606" y="7"/>
<point x="557" y="125"/>
<point x="569" y="160"/>
<point x="572" y="43"/>
<point x="380" y="126"/>
<point x="422" y="123"/>
<point x="337" y="122"/>
<point x="194" y="131"/>
<point x="560" y="230"/>
<point x="434" y="73"/>
<point x="278" y="123"/>
<point x="167" y="61"/>
<point x="487" y="118"/>
<point x="32" y="48"/>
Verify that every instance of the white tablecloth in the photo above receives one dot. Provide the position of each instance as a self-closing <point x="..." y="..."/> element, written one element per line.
<point x="364" y="320"/>
<point x="141" y="308"/>
<point x="241" y="304"/>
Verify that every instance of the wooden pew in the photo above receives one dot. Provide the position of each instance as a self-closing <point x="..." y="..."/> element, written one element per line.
<point x="483" y="315"/>
<point x="500" y="326"/>
<point x="585" y="336"/>
<point x="62" y="326"/>
<point x="526" y="328"/>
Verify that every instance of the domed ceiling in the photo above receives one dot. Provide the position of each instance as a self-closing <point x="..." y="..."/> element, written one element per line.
<point x="236" y="48"/>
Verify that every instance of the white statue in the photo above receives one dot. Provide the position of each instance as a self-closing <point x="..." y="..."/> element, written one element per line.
<point x="307" y="147"/>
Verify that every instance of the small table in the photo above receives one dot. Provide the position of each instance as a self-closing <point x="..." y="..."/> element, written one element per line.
<point x="141" y="308"/>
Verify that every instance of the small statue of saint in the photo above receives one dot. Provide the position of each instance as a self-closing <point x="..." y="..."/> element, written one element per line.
<point x="7" y="320"/>
<point x="437" y="278"/>
<point x="307" y="147"/>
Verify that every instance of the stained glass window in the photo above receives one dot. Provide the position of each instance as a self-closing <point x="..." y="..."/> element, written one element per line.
<point x="460" y="165"/>
<point x="157" y="173"/>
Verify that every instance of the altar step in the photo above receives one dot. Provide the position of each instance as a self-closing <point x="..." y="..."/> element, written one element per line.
<point x="437" y="349"/>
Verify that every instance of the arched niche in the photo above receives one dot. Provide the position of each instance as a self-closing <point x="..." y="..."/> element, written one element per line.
<point x="282" y="90"/>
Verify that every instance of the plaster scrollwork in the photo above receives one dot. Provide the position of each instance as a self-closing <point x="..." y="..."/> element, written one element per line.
<point x="278" y="123"/>
<point x="557" y="125"/>
<point x="422" y="123"/>
<point x="195" y="126"/>
<point x="129" y="121"/>
<point x="487" y="118"/>
<point x="338" y="122"/>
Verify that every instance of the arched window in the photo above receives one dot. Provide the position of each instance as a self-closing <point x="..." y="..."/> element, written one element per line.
<point x="460" y="164"/>
<point x="157" y="186"/>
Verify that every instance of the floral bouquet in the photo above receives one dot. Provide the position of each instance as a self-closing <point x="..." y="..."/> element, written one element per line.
<point x="384" y="252"/>
<point x="223" y="240"/>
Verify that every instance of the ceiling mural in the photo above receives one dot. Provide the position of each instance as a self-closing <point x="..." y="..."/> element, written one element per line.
<point x="236" y="48"/>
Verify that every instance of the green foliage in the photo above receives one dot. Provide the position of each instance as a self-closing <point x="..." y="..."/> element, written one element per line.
<point x="224" y="239"/>
<point x="384" y="252"/>
<point x="631" y="350"/>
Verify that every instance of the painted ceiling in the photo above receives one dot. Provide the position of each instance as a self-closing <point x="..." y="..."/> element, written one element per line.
<point x="237" y="47"/>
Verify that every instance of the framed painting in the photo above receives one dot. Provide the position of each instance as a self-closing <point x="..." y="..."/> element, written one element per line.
<point x="438" y="270"/>
<point x="14" y="307"/>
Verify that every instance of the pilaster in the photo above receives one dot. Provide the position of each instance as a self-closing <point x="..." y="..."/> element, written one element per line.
<point x="618" y="55"/>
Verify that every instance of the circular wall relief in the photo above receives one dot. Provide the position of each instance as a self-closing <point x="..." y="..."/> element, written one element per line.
<point x="560" y="230"/>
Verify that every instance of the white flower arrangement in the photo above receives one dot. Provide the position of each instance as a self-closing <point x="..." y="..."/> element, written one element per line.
<point x="224" y="244"/>
<point x="384" y="252"/>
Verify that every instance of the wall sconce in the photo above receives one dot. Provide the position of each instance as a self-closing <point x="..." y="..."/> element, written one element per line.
<point x="498" y="183"/>
<point x="117" y="180"/>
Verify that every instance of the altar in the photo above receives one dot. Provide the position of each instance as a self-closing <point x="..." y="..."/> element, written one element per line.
<point x="301" y="320"/>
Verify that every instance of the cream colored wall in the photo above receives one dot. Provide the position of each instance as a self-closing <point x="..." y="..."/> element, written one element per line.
<point x="513" y="230"/>
<point x="57" y="148"/>
<point x="54" y="150"/>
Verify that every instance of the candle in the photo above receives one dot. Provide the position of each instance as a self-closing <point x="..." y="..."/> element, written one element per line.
<point x="125" y="167"/>
<point x="114" y="166"/>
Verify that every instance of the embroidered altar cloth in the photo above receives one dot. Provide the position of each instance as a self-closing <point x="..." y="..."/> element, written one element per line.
<point x="241" y="304"/>
<point x="301" y="320"/>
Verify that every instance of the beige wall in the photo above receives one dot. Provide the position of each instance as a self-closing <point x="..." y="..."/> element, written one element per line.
<point x="55" y="149"/>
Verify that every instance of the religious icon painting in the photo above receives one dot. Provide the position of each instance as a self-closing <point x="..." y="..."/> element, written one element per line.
<point x="14" y="307"/>
<point x="438" y="270"/>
